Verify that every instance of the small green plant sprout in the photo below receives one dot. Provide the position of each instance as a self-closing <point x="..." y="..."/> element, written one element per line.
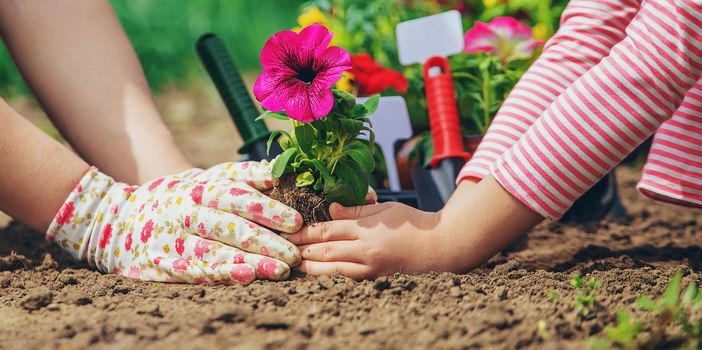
<point x="623" y="335"/>
<point x="552" y="296"/>
<point x="329" y="154"/>
<point x="684" y="311"/>
<point x="586" y="292"/>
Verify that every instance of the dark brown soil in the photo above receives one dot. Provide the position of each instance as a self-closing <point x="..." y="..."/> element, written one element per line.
<point x="49" y="301"/>
<point x="309" y="203"/>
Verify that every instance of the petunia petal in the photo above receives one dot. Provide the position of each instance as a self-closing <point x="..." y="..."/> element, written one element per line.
<point x="524" y="50"/>
<point x="280" y="49"/>
<point x="321" y="100"/>
<point x="480" y="39"/>
<point x="510" y="28"/>
<point x="330" y="64"/>
<point x="315" y="38"/>
<point x="297" y="104"/>
<point x="270" y="88"/>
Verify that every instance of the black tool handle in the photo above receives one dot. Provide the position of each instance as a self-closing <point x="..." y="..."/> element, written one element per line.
<point x="227" y="79"/>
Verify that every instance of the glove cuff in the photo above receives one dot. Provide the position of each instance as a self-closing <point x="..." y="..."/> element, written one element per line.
<point x="75" y="222"/>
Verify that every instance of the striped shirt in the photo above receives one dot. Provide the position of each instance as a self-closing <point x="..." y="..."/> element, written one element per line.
<point x="616" y="72"/>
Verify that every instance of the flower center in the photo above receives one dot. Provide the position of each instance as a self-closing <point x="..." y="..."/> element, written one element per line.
<point x="306" y="75"/>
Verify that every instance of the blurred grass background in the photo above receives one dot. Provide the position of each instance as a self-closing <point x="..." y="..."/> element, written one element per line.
<point x="164" y="32"/>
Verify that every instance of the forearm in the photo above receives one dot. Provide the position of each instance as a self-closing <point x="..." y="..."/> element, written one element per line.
<point x="589" y="30"/>
<point x="38" y="173"/>
<point x="478" y="221"/>
<point x="80" y="65"/>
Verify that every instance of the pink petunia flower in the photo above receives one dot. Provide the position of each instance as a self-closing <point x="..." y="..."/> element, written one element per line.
<point x="505" y="37"/>
<point x="299" y="71"/>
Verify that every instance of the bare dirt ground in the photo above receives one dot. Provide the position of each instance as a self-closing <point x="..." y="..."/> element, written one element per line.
<point x="49" y="301"/>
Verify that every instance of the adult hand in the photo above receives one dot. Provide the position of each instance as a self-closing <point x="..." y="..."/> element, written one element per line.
<point x="176" y="229"/>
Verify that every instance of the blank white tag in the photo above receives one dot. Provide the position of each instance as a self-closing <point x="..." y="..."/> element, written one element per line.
<point x="422" y="38"/>
<point x="391" y="122"/>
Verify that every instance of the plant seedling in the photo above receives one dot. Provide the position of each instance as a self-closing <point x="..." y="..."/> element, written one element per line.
<point x="683" y="310"/>
<point x="623" y="335"/>
<point x="330" y="155"/>
<point x="586" y="292"/>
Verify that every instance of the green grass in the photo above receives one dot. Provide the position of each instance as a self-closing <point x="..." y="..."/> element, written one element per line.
<point x="163" y="34"/>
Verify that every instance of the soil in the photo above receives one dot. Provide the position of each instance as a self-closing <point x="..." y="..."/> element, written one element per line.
<point x="309" y="203"/>
<point x="47" y="300"/>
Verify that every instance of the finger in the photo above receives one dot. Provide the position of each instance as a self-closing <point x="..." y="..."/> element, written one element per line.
<point x="371" y="196"/>
<point x="350" y="251"/>
<point x="198" y="272"/>
<point x="339" y="212"/>
<point x="322" y="268"/>
<point x="265" y="267"/>
<point x="249" y="203"/>
<point x="238" y="232"/>
<point x="323" y="232"/>
<point x="255" y="174"/>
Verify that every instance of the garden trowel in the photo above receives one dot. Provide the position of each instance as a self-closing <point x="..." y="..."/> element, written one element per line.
<point x="428" y="41"/>
<point x="242" y="109"/>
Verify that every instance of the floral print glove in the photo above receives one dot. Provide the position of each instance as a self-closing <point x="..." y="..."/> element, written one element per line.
<point x="178" y="228"/>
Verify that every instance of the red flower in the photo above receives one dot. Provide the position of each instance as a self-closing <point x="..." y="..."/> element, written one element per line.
<point x="157" y="260"/>
<point x="65" y="214"/>
<point x="196" y="194"/>
<point x="186" y="222"/>
<point x="146" y="231"/>
<point x="180" y="246"/>
<point x="105" y="236"/>
<point x="372" y="78"/>
<point x="128" y="242"/>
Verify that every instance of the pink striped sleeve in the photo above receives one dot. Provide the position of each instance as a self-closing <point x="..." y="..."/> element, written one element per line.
<point x="607" y="112"/>
<point x="589" y="29"/>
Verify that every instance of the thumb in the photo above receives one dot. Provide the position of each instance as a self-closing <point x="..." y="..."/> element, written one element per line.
<point x="340" y="212"/>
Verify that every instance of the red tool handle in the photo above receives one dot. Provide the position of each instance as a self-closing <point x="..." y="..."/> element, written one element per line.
<point x="443" y="112"/>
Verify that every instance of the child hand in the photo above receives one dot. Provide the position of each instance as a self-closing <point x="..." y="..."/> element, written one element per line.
<point x="370" y="241"/>
<point x="177" y="230"/>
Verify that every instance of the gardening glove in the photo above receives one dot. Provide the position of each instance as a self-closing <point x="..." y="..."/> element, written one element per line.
<point x="175" y="229"/>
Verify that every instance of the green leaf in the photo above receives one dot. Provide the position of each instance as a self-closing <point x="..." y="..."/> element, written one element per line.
<point x="338" y="191"/>
<point x="690" y="294"/>
<point x="282" y="162"/>
<point x="359" y="152"/>
<point x="304" y="179"/>
<point x="351" y="126"/>
<point x="371" y="104"/>
<point x="646" y="303"/>
<point x="673" y="291"/>
<point x="271" y="138"/>
<point x="360" y="111"/>
<point x="304" y="134"/>
<point x="353" y="175"/>
<point x="272" y="115"/>
<point x="345" y="100"/>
